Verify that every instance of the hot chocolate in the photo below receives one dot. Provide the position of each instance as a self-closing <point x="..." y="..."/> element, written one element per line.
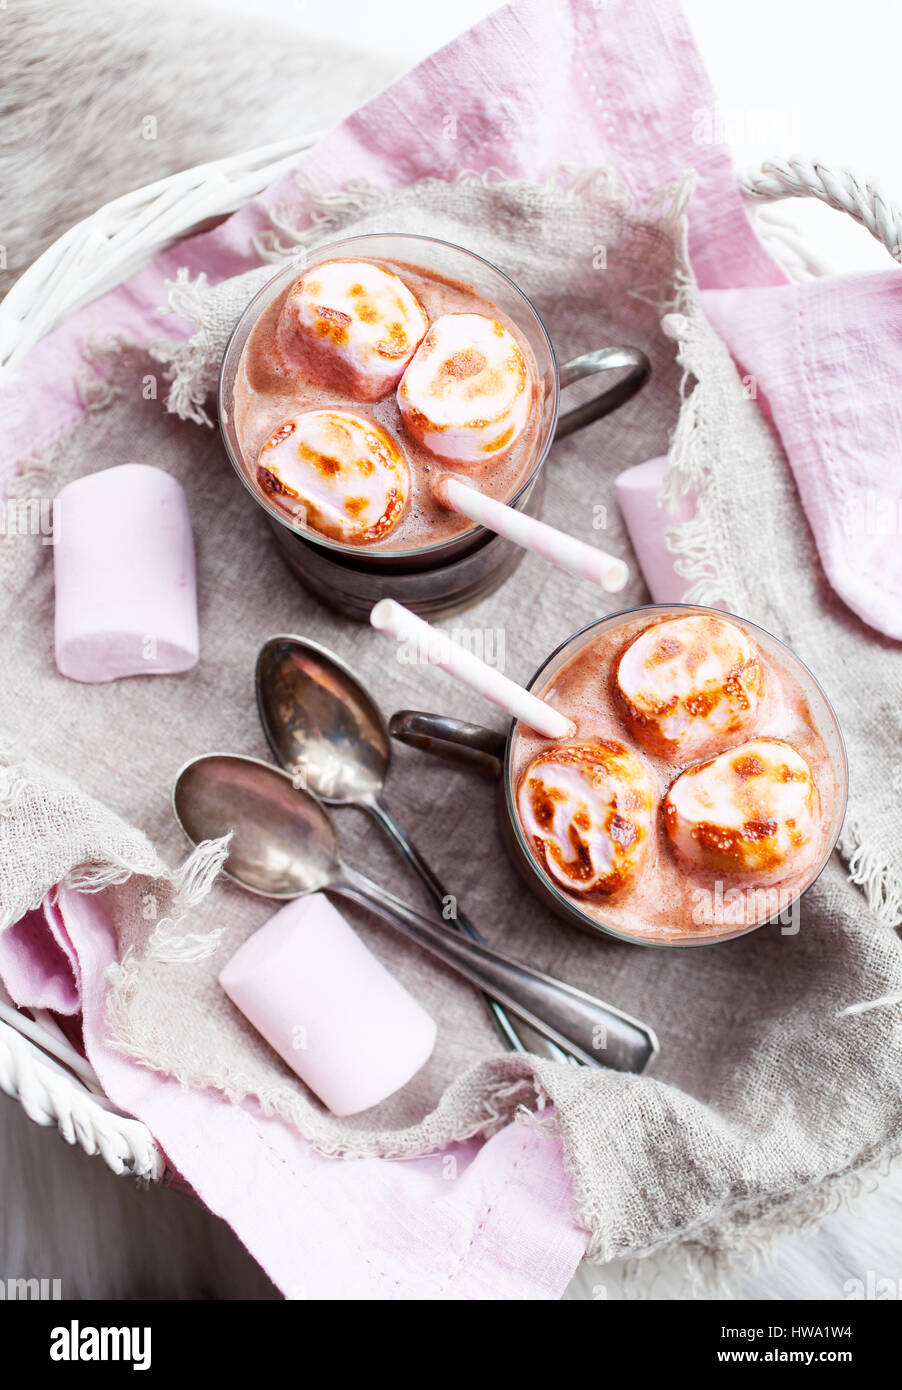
<point x="364" y="382"/>
<point x="697" y="796"/>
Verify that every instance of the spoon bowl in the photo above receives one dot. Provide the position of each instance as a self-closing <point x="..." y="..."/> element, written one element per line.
<point x="283" y="843"/>
<point x="320" y="722"/>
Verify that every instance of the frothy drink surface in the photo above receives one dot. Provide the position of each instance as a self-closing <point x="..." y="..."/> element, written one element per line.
<point x="671" y="900"/>
<point x="268" y="390"/>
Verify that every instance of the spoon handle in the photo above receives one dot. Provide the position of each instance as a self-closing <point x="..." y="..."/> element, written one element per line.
<point x="518" y="1036"/>
<point x="595" y="1033"/>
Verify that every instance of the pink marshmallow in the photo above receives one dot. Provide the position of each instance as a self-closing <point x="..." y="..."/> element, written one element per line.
<point x="647" y="524"/>
<point x="126" y="602"/>
<point x="328" y="1007"/>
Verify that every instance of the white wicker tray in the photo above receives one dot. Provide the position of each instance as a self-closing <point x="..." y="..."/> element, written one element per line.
<point x="38" y="1067"/>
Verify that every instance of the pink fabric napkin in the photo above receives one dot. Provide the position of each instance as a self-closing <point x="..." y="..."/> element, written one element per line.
<point x="826" y="357"/>
<point x="537" y="83"/>
<point x="36" y="964"/>
<point x="647" y="523"/>
<point x="486" y="1221"/>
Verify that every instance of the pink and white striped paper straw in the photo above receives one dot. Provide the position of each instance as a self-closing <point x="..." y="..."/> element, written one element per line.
<point x="397" y="621"/>
<point x="567" y="552"/>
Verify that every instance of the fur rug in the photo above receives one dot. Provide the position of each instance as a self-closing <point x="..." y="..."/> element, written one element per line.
<point x="97" y="98"/>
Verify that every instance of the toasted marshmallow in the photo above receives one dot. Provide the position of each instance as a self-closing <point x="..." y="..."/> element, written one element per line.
<point x="467" y="394"/>
<point x="337" y="472"/>
<point x="587" y="810"/>
<point x="751" y="810"/>
<point x="354" y="325"/>
<point x="687" y="682"/>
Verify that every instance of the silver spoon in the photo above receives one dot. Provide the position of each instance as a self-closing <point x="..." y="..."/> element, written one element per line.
<point x="325" y="729"/>
<point x="284" y="845"/>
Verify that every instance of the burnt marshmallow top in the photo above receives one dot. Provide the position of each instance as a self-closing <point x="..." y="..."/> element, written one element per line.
<point x="427" y="365"/>
<point x="720" y="776"/>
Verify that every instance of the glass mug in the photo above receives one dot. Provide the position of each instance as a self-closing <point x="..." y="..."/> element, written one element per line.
<point x="496" y="753"/>
<point x="449" y="575"/>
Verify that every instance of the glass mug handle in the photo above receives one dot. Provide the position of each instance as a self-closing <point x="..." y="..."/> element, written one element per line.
<point x="610" y="397"/>
<point x="451" y="739"/>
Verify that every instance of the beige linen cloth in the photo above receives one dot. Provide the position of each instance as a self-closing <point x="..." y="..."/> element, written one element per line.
<point x="778" y="1080"/>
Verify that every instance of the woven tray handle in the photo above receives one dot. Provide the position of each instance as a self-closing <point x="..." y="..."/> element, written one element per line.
<point x="100" y="252"/>
<point x="862" y="199"/>
<point x="50" y="1097"/>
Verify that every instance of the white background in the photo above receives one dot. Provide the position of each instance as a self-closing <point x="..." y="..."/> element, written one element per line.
<point x="812" y="77"/>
